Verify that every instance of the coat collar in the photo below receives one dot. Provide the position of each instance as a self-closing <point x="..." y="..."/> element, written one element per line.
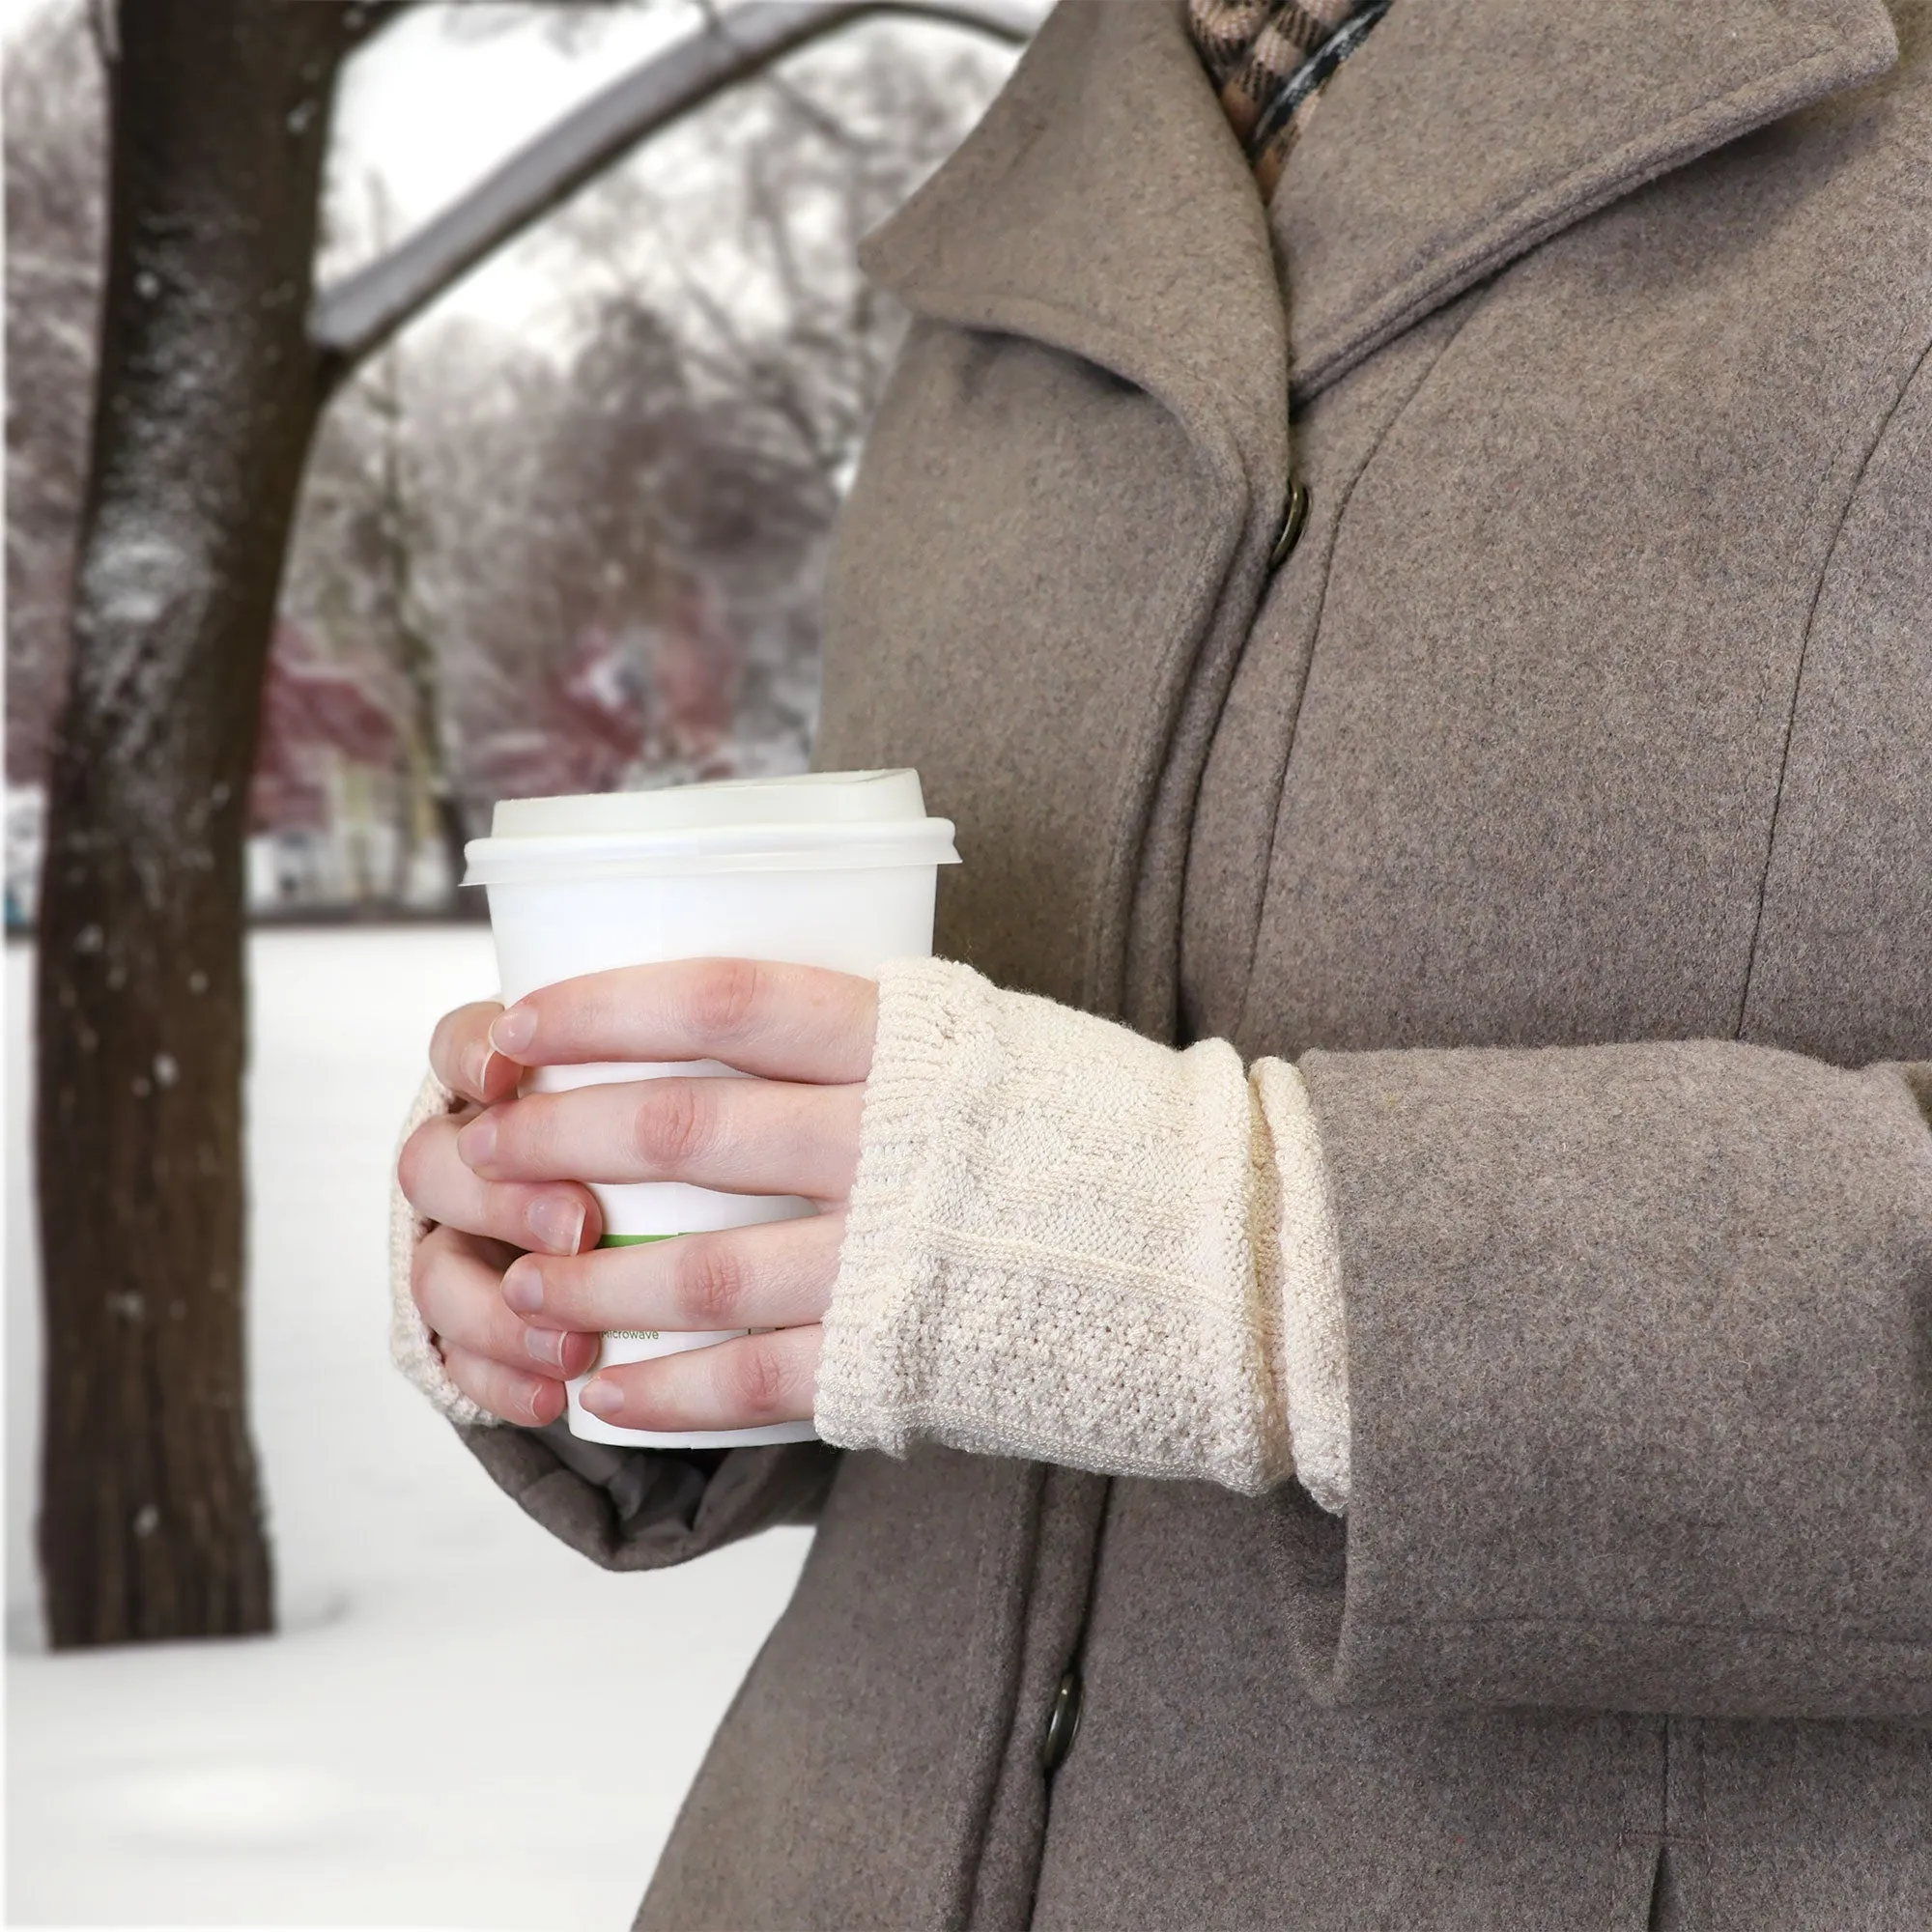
<point x="1103" y="204"/>
<point x="1447" y="146"/>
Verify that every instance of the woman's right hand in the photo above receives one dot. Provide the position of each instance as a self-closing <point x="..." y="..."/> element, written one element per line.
<point x="499" y="1361"/>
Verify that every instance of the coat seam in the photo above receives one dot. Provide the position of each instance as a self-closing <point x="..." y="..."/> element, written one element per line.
<point x="1874" y="442"/>
<point x="1399" y="411"/>
<point x="993" y="1731"/>
<point x="1076" y="1658"/>
<point x="1373" y="1620"/>
<point x="1205" y="585"/>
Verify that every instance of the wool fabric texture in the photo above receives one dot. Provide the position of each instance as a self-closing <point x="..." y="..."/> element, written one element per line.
<point x="1068" y="1243"/>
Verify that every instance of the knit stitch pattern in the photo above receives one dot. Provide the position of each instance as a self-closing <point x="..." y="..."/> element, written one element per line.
<point x="1314" y="1354"/>
<point x="412" y="1346"/>
<point x="1065" y="1243"/>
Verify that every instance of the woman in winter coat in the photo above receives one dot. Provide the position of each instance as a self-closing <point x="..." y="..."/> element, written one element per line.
<point x="1378" y="1323"/>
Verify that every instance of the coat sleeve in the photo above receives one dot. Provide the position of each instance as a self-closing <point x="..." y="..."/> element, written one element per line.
<point x="1639" y="1336"/>
<point x="626" y="1509"/>
<point x="1639" y="1345"/>
<point x="646" y="1509"/>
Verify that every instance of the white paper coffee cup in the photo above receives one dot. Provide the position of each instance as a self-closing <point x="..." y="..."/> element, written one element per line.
<point x="834" y="868"/>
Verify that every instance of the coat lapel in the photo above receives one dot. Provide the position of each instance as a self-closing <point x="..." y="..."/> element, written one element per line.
<point x="1031" y="646"/>
<point x="1462" y="136"/>
<point x="1102" y="207"/>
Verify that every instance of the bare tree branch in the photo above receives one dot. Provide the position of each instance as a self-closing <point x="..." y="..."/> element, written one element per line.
<point x="359" y="312"/>
<point x="762" y="212"/>
<point x="806" y="108"/>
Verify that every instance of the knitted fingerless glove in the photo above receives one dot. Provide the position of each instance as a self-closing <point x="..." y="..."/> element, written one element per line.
<point x="1065" y="1243"/>
<point x="1069" y="1243"/>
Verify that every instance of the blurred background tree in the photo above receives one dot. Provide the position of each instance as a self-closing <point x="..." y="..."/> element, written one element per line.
<point x="56" y="178"/>
<point x="519" y="565"/>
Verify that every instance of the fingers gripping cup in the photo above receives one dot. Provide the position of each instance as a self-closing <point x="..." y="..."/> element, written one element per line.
<point x="835" y="870"/>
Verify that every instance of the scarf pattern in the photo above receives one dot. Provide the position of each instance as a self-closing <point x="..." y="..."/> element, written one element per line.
<point x="1269" y="59"/>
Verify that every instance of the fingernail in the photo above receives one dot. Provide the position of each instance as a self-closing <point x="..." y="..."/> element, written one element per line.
<point x="523" y="1288"/>
<point x="602" y="1398"/>
<point x="557" y="1222"/>
<point x="545" y="1346"/>
<point x="477" y="1142"/>
<point x="513" y="1030"/>
<point x="481" y="1061"/>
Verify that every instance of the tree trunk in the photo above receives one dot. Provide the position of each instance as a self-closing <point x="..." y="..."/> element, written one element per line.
<point x="151" y="1522"/>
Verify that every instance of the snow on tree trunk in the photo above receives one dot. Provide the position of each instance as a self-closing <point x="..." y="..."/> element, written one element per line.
<point x="151" y="1522"/>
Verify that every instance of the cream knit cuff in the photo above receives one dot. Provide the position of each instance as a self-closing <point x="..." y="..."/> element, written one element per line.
<point x="1067" y="1243"/>
<point x="1308" y="1268"/>
<point x="412" y="1346"/>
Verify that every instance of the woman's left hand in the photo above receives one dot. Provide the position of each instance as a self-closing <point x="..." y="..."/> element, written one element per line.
<point x="794" y="1130"/>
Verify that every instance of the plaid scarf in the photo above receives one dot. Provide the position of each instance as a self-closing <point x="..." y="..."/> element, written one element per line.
<point x="1269" y="58"/>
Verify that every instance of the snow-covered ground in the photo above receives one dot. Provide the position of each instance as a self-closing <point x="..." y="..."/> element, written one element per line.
<point x="463" y="1723"/>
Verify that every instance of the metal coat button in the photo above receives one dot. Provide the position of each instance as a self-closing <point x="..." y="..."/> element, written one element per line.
<point x="1293" y="521"/>
<point x="1062" y="1724"/>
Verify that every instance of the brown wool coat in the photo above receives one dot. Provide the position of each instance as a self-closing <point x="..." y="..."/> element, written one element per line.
<point x="1564" y="801"/>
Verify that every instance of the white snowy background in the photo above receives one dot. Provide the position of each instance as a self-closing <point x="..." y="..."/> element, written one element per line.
<point x="462" y="1722"/>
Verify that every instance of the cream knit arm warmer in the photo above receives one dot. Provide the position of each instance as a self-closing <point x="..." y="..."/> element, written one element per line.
<point x="1065" y="1243"/>
<point x="411" y="1346"/>
<point x="1069" y="1243"/>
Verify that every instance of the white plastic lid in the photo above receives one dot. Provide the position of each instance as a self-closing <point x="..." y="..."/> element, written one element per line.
<point x="817" y="821"/>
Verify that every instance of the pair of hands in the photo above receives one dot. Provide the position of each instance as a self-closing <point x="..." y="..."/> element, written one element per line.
<point x="511" y="1281"/>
